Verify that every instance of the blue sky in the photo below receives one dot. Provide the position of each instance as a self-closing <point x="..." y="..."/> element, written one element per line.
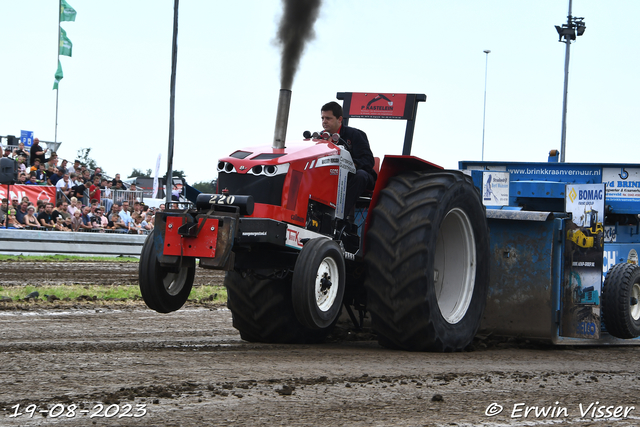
<point x="114" y="97"/>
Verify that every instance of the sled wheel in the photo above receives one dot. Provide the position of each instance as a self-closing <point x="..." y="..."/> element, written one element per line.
<point x="620" y="296"/>
<point x="164" y="289"/>
<point x="428" y="262"/>
<point x="262" y="310"/>
<point x="318" y="283"/>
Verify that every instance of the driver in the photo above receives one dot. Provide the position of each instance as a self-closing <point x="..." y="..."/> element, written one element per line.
<point x="365" y="177"/>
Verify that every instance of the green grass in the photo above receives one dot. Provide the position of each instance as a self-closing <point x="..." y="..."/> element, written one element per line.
<point x="62" y="258"/>
<point x="126" y="292"/>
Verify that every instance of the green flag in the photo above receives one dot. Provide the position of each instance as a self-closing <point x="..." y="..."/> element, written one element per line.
<point x="67" y="13"/>
<point x="58" y="76"/>
<point x="65" y="44"/>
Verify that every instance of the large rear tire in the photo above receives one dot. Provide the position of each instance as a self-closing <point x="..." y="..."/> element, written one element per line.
<point x="318" y="283"/>
<point x="620" y="301"/>
<point x="164" y="289"/>
<point x="262" y="310"/>
<point x="428" y="262"/>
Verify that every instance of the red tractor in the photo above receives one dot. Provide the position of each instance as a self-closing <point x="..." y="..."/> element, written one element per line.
<point x="415" y="256"/>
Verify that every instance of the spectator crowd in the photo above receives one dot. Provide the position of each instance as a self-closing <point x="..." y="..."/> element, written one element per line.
<point x="85" y="200"/>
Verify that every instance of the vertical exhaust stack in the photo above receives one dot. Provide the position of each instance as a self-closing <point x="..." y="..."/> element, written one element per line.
<point x="282" y="118"/>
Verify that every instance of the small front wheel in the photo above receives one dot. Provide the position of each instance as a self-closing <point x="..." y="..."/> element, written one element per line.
<point x="164" y="289"/>
<point x="318" y="283"/>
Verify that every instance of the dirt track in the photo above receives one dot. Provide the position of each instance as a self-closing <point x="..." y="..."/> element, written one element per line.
<point x="190" y="368"/>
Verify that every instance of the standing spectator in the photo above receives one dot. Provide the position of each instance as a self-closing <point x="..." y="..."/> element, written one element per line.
<point x="22" y="167"/>
<point x="86" y="219"/>
<point x="99" y="220"/>
<point x="61" y="208"/>
<point x="125" y="214"/>
<point x="73" y="207"/>
<point x="21" y="151"/>
<point x="115" y="179"/>
<point x="78" y="190"/>
<point x="37" y="152"/>
<point x="118" y="223"/>
<point x="94" y="190"/>
<point x="30" y="219"/>
<point x="49" y="218"/>
<point x="105" y="186"/>
<point x="4" y="207"/>
<point x="15" y="203"/>
<point x="76" y="220"/>
<point x="86" y="176"/>
<point x="64" y="185"/>
<point x="136" y="223"/>
<point x="21" y="212"/>
<point x="7" y="152"/>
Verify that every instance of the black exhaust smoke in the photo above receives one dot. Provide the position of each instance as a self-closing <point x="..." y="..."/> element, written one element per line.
<point x="296" y="28"/>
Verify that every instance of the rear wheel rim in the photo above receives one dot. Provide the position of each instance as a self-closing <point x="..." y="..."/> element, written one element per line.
<point x="326" y="286"/>
<point x="455" y="265"/>
<point x="635" y="309"/>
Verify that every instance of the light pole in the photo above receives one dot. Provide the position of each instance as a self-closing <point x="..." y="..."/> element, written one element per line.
<point x="566" y="33"/>
<point x="484" y="112"/>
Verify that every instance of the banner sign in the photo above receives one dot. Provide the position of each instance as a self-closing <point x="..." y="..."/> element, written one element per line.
<point x="495" y="188"/>
<point x="33" y="192"/>
<point x="26" y="137"/>
<point x="583" y="260"/>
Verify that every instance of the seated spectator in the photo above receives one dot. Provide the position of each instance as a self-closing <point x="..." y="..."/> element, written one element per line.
<point x="97" y="172"/>
<point x="40" y="208"/>
<point x="7" y="152"/>
<point x="12" y="222"/>
<point x="25" y="199"/>
<point x="64" y="166"/>
<point x="59" y="174"/>
<point x="30" y="220"/>
<point x="32" y="179"/>
<point x="21" y="212"/>
<point x="41" y="175"/>
<point x="76" y="167"/>
<point x="35" y="166"/>
<point x="22" y="179"/>
<point x="64" y="184"/>
<point x="115" y="180"/>
<point x="49" y="218"/>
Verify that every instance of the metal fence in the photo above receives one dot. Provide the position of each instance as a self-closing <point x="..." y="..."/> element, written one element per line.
<point x="70" y="243"/>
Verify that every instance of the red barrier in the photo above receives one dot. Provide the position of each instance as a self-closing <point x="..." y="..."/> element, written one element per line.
<point x="33" y="192"/>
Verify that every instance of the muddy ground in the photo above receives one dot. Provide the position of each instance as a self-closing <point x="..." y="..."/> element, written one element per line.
<point x="124" y="365"/>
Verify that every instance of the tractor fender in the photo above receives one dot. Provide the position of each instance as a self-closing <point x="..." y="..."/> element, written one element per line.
<point x="392" y="166"/>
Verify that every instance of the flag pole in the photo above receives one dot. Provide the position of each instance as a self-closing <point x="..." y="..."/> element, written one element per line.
<point x="172" y="104"/>
<point x="55" y="138"/>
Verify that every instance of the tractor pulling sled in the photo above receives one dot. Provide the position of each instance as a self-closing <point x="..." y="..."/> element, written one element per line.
<point x="415" y="255"/>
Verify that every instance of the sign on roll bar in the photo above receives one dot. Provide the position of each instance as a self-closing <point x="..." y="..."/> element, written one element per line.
<point x="398" y="106"/>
